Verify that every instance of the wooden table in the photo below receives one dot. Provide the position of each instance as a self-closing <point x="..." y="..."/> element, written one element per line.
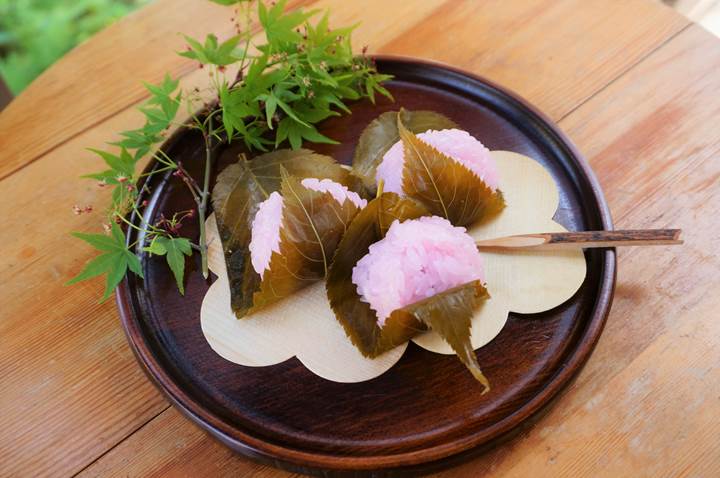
<point x="636" y="87"/>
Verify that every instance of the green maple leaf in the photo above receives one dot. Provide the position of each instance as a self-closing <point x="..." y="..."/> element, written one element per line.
<point x="235" y="110"/>
<point x="122" y="164"/>
<point x="161" y="108"/>
<point x="159" y="111"/>
<point x="115" y="260"/>
<point x="212" y="52"/>
<point x="296" y="132"/>
<point x="174" y="249"/>
<point x="279" y="26"/>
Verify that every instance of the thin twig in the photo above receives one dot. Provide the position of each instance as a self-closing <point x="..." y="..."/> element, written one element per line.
<point x="191" y="183"/>
<point x="204" y="197"/>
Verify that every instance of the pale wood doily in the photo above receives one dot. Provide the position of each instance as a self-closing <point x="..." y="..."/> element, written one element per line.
<point x="304" y="325"/>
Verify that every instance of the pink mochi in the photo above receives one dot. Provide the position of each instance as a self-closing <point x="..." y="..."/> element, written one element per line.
<point x="337" y="190"/>
<point x="417" y="259"/>
<point x="457" y="144"/>
<point x="265" y="234"/>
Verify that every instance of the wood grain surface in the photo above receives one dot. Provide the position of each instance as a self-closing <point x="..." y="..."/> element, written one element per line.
<point x="632" y="84"/>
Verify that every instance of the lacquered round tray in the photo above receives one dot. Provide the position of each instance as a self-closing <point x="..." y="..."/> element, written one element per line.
<point x="426" y="412"/>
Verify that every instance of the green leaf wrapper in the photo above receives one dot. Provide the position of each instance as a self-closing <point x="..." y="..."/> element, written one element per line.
<point x="382" y="133"/>
<point x="443" y="185"/>
<point x="240" y="188"/>
<point x="313" y="224"/>
<point x="448" y="313"/>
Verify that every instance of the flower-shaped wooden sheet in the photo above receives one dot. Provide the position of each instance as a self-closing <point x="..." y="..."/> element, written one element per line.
<point x="304" y="325"/>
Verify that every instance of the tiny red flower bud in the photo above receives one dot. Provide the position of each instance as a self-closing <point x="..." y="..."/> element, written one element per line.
<point x="102" y="184"/>
<point x="122" y="179"/>
<point x="221" y="68"/>
<point x="191" y="213"/>
<point x="130" y="187"/>
<point x="145" y="203"/>
<point x="201" y="66"/>
<point x="88" y="208"/>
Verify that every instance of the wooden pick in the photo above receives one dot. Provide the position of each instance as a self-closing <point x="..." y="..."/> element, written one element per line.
<point x="585" y="239"/>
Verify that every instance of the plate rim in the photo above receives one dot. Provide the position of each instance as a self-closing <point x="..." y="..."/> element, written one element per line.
<point x="291" y="458"/>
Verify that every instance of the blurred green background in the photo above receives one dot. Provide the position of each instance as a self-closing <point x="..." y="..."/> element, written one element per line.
<point x="36" y="33"/>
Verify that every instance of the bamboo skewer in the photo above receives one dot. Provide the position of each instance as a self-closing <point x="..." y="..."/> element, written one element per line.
<point x="584" y="239"/>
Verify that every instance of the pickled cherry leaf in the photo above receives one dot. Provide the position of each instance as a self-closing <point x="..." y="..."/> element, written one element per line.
<point x="443" y="185"/>
<point x="382" y="133"/>
<point x="448" y="313"/>
<point x="312" y="225"/>
<point x="239" y="190"/>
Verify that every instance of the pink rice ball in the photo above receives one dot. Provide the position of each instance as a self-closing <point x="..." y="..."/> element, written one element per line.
<point x="416" y="259"/>
<point x="265" y="234"/>
<point x="456" y="143"/>
<point x="337" y="190"/>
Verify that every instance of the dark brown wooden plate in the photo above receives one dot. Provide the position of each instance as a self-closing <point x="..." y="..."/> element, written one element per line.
<point x="426" y="412"/>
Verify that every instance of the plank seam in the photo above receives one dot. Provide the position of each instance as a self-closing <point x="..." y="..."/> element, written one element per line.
<point x="119" y="442"/>
<point x="75" y="135"/>
<point x="625" y="71"/>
